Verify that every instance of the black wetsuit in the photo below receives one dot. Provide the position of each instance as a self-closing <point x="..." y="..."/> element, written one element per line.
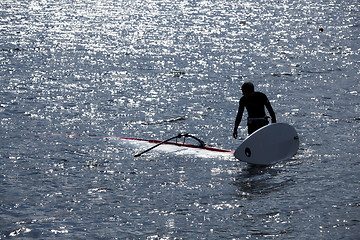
<point x="255" y="105"/>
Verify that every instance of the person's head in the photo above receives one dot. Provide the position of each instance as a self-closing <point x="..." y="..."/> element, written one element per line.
<point x="247" y="88"/>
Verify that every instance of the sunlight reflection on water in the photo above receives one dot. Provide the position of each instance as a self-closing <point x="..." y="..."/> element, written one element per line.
<point x="151" y="69"/>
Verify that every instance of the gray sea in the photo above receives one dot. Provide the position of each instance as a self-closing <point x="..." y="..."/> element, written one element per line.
<point x="155" y="68"/>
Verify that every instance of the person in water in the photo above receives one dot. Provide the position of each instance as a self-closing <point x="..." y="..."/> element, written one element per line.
<point x="255" y="103"/>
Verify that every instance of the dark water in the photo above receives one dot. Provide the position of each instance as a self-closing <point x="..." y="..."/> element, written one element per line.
<point x="152" y="69"/>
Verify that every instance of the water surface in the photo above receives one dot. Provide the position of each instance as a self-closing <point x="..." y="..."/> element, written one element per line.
<point x="153" y="69"/>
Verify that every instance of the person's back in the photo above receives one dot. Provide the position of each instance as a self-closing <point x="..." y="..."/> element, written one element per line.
<point x="255" y="103"/>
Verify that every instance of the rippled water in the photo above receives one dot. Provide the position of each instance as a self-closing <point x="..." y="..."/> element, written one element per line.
<point x="152" y="69"/>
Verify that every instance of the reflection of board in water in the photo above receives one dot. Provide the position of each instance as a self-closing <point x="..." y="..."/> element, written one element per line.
<point x="269" y="144"/>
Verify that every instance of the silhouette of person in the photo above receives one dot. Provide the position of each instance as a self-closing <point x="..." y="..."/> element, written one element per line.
<point x="255" y="103"/>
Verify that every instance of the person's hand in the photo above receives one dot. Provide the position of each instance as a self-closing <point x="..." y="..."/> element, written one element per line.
<point x="235" y="134"/>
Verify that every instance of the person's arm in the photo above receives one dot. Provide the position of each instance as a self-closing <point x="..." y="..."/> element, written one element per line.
<point x="238" y="118"/>
<point x="270" y="110"/>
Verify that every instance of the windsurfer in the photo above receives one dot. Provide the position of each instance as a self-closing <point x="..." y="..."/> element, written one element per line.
<point x="255" y="103"/>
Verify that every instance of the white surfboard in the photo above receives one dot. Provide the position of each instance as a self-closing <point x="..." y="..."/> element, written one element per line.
<point x="270" y="144"/>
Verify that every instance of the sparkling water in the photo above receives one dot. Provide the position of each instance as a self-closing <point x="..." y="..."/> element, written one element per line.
<point x="153" y="69"/>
